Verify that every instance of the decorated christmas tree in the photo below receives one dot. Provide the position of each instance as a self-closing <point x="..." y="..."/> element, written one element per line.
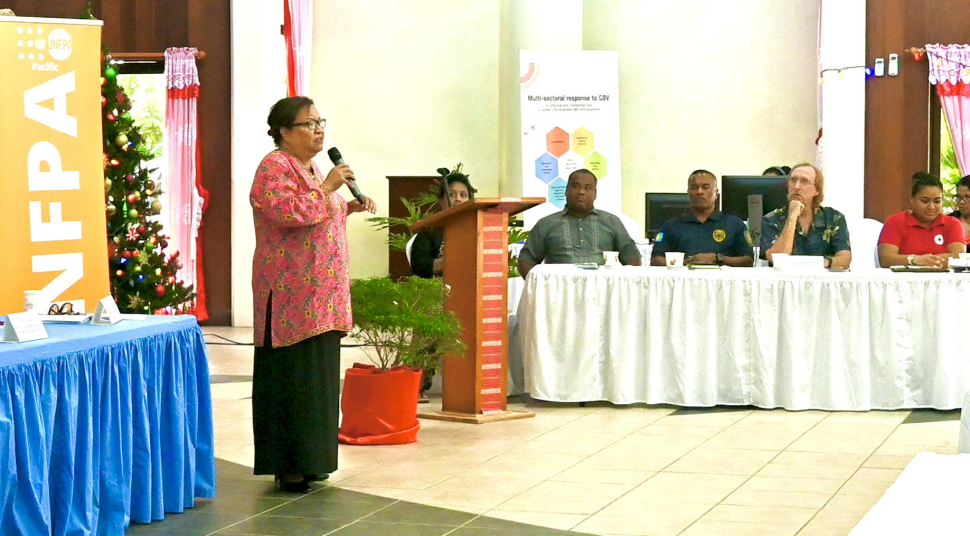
<point x="143" y="279"/>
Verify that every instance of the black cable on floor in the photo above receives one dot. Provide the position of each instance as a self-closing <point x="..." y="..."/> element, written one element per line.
<point x="230" y="342"/>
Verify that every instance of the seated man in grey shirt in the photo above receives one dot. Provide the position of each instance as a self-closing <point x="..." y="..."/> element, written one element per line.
<point x="578" y="234"/>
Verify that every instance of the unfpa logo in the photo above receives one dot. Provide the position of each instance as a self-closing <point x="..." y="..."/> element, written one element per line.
<point x="59" y="44"/>
<point x="39" y="50"/>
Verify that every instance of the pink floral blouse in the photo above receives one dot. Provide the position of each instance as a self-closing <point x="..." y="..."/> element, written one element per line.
<point x="301" y="253"/>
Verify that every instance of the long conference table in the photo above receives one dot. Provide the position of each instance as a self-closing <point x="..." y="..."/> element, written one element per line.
<point x="102" y="425"/>
<point x="744" y="336"/>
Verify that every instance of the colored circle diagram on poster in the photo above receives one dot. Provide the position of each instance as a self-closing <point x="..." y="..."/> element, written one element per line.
<point x="566" y="152"/>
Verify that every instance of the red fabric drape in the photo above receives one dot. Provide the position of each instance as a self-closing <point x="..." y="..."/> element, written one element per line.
<point x="200" y="310"/>
<point x="946" y="89"/>
<point x="183" y="180"/>
<point x="297" y="31"/>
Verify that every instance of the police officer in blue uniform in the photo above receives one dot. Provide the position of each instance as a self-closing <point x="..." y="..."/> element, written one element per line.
<point x="704" y="234"/>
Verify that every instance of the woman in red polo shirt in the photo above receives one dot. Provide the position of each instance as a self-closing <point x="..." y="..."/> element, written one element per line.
<point x="923" y="235"/>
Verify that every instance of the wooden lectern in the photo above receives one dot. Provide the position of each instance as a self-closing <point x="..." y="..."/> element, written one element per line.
<point x="476" y="252"/>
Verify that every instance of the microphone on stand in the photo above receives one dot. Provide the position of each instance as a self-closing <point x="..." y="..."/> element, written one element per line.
<point x="335" y="157"/>
<point x="755" y="215"/>
<point x="444" y="186"/>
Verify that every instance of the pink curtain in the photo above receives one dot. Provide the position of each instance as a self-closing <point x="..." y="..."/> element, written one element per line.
<point x="950" y="71"/>
<point x="187" y="198"/>
<point x="298" y="32"/>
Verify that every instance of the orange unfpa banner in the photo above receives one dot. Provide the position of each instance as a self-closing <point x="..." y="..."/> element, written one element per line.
<point x="52" y="221"/>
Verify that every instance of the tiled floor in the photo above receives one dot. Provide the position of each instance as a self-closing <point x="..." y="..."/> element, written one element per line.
<point x="599" y="469"/>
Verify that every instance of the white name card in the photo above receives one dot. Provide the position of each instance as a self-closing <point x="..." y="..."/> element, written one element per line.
<point x="798" y="262"/>
<point x="23" y="327"/>
<point x="107" y="312"/>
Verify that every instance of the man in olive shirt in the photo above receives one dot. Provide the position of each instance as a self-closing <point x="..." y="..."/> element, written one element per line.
<point x="703" y="234"/>
<point x="578" y="234"/>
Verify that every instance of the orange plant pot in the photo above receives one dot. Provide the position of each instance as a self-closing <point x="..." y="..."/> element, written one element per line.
<point x="380" y="408"/>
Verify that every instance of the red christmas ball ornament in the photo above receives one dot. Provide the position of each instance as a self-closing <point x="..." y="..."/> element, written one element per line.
<point x="160" y="290"/>
<point x="150" y="185"/>
<point x="120" y="273"/>
<point x="130" y="179"/>
<point x="126" y="254"/>
<point x="135" y="254"/>
<point x="164" y="244"/>
<point x="111" y="116"/>
<point x="132" y="197"/>
<point x="140" y="229"/>
<point x="104" y="101"/>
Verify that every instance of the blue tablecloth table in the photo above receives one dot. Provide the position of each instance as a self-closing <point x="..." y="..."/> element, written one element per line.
<point x="104" y="425"/>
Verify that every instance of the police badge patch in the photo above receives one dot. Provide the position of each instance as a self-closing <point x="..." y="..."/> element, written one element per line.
<point x="719" y="235"/>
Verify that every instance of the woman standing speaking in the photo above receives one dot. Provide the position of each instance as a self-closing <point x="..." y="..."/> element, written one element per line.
<point x="301" y="299"/>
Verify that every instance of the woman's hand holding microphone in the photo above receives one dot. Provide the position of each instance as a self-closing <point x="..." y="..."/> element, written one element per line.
<point x="342" y="175"/>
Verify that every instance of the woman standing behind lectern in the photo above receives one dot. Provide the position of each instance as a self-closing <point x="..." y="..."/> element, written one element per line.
<point x="427" y="260"/>
<point x="301" y="299"/>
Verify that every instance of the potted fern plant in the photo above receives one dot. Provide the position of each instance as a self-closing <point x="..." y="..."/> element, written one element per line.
<point x="418" y="207"/>
<point x="405" y="329"/>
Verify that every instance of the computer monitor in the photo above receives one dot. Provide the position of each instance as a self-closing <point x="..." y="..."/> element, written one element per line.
<point x="735" y="190"/>
<point x="661" y="207"/>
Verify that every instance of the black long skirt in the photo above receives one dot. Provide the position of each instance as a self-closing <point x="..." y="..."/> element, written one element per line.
<point x="296" y="397"/>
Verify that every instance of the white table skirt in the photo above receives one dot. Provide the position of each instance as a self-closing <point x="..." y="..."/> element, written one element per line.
<point x="928" y="497"/>
<point x="516" y="284"/>
<point x="745" y="336"/>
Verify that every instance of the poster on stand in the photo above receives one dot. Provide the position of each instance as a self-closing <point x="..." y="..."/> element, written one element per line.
<point x="52" y="219"/>
<point x="570" y="109"/>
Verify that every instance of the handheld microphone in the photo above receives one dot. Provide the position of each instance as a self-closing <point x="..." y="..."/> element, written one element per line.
<point x="335" y="157"/>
